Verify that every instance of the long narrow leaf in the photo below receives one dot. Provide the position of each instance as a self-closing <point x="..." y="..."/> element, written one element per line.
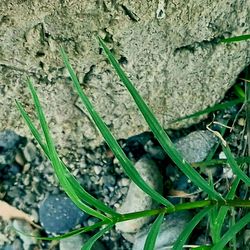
<point x="231" y="232"/>
<point x="189" y="228"/>
<point x="239" y="160"/>
<point x="158" y="131"/>
<point x="220" y="106"/>
<point x="88" y="245"/>
<point x="80" y="191"/>
<point x="233" y="164"/>
<point x="219" y="221"/>
<point x="236" y="39"/>
<point x="66" y="235"/>
<point x="111" y="141"/>
<point x="56" y="161"/>
<point x="153" y="233"/>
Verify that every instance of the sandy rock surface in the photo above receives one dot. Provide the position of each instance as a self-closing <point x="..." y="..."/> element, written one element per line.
<point x="170" y="50"/>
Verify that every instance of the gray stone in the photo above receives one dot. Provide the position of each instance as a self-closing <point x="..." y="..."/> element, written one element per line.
<point x="138" y="200"/>
<point x="195" y="146"/>
<point x="58" y="214"/>
<point x="171" y="228"/>
<point x="9" y="143"/>
<point x="29" y="152"/>
<point x="171" y="52"/>
<point x="16" y="245"/>
<point x="23" y="226"/>
<point x="77" y="241"/>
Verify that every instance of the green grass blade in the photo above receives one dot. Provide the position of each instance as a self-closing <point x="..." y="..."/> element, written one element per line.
<point x="189" y="228"/>
<point x="219" y="221"/>
<point x="209" y="163"/>
<point x="236" y="39"/>
<point x="56" y="163"/>
<point x="111" y="141"/>
<point x="80" y="191"/>
<point x="231" y="232"/>
<point x="66" y="235"/>
<point x="216" y="107"/>
<point x="153" y="233"/>
<point x="233" y="164"/>
<point x="32" y="128"/>
<point x="88" y="245"/>
<point x="159" y="132"/>
<point x="239" y="91"/>
<point x="212" y="215"/>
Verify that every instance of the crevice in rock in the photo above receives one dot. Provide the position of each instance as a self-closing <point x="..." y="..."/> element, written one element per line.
<point x="87" y="77"/>
<point x="192" y="47"/>
<point x="10" y="67"/>
<point x="130" y="14"/>
<point x="123" y="60"/>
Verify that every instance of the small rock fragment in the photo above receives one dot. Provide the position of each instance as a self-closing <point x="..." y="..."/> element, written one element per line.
<point x="77" y="241"/>
<point x="9" y="143"/>
<point x="171" y="228"/>
<point x="23" y="226"/>
<point x="29" y="152"/>
<point x="97" y="169"/>
<point x="58" y="214"/>
<point x="136" y="199"/>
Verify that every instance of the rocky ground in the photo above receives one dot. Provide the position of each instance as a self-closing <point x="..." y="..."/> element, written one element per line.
<point x="28" y="184"/>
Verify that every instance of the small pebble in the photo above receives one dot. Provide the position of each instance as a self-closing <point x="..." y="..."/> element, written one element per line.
<point x="222" y="155"/>
<point x="29" y="152"/>
<point x="97" y="169"/>
<point x="242" y="122"/>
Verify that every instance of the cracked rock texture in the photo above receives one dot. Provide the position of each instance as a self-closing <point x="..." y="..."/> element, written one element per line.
<point x="170" y="50"/>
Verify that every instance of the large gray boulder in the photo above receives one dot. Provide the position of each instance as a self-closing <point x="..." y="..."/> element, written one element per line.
<point x="170" y="50"/>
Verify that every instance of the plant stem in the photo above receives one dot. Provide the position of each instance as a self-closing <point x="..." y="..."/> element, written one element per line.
<point x="185" y="206"/>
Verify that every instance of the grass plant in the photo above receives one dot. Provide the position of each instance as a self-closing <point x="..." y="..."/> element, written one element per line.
<point x="216" y="202"/>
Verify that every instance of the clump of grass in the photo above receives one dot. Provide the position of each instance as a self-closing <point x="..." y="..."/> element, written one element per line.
<point x="215" y="206"/>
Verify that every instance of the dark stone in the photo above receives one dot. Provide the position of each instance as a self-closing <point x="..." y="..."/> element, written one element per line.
<point x="134" y="146"/>
<point x="9" y="143"/>
<point x="58" y="214"/>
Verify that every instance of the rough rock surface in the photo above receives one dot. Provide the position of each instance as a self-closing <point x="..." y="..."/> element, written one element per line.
<point x="170" y="49"/>
<point x="195" y="146"/>
<point x="170" y="230"/>
<point x="137" y="200"/>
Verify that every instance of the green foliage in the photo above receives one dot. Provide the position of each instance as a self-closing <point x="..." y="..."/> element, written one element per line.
<point x="236" y="39"/>
<point x="216" y="207"/>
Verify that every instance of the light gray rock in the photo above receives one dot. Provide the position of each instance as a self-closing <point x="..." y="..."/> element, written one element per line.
<point x="136" y="199"/>
<point x="171" y="228"/>
<point x="195" y="146"/>
<point x="77" y="241"/>
<point x="23" y="226"/>
<point x="29" y="152"/>
<point x="170" y="50"/>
